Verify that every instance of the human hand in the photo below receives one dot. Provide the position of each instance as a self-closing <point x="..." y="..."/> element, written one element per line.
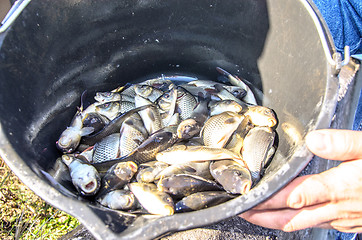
<point x="331" y="199"/>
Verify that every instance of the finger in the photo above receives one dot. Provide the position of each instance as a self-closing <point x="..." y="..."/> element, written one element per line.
<point x="343" y="225"/>
<point x="302" y="191"/>
<point x="335" y="144"/>
<point x="294" y="219"/>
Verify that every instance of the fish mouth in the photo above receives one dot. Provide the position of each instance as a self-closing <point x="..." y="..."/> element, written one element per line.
<point x="245" y="187"/>
<point x="168" y="210"/>
<point x="90" y="187"/>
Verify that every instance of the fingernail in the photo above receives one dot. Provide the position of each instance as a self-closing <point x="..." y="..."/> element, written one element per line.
<point x="317" y="141"/>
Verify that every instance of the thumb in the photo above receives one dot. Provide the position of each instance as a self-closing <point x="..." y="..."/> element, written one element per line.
<point x="335" y="144"/>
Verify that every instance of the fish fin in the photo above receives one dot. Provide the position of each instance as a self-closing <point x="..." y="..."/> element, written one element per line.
<point x="222" y="71"/>
<point x="219" y="87"/>
<point x="188" y="169"/>
<point x="232" y="120"/>
<point x="82" y="99"/>
<point x="86" y="131"/>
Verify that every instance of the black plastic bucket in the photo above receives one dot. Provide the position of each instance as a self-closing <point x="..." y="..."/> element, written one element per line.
<point x="57" y="49"/>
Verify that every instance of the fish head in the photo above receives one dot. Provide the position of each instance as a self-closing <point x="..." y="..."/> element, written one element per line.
<point x="103" y="97"/>
<point x="69" y="140"/>
<point x="187" y="129"/>
<point x="262" y="116"/>
<point x="143" y="90"/>
<point x="86" y="180"/>
<point x="125" y="170"/>
<point x="107" y="108"/>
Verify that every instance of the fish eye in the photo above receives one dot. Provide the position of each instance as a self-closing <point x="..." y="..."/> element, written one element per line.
<point x="158" y="139"/>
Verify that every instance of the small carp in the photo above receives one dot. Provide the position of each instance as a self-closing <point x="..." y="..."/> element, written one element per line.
<point x="154" y="201"/>
<point x="218" y="129"/>
<point x="236" y="141"/>
<point x="147" y="91"/>
<point x="200" y="169"/>
<point x="161" y="83"/>
<point x="95" y="121"/>
<point x="133" y="134"/>
<point x="117" y="176"/>
<point x="84" y="176"/>
<point x="234" y="80"/>
<point x="192" y="126"/>
<point x="201" y="200"/>
<point x="224" y="94"/>
<point x="158" y="141"/>
<point x="70" y="137"/>
<point x="234" y="177"/>
<point x="148" y="171"/>
<point x="118" y="200"/>
<point x="185" y="103"/>
<point x="181" y="185"/>
<point x="179" y="154"/>
<point x="104" y="97"/>
<point x="113" y="127"/>
<point x="256" y="150"/>
<point x="167" y="106"/>
<point x="225" y="106"/>
<point x="107" y="148"/>
<point x="261" y="116"/>
<point x="151" y="116"/>
<point x="112" y="109"/>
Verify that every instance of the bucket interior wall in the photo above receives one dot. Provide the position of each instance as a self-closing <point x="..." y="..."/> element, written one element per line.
<point x="58" y="49"/>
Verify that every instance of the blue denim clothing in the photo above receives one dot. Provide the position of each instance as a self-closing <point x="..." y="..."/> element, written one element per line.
<point x="357" y="123"/>
<point x="344" y="20"/>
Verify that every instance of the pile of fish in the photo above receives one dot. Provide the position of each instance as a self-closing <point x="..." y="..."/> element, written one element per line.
<point x="163" y="147"/>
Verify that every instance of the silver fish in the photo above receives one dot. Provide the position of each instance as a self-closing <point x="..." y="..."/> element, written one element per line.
<point x="147" y="91"/>
<point x="201" y="200"/>
<point x="84" y="176"/>
<point x="217" y="107"/>
<point x="236" y="141"/>
<point x="117" y="176"/>
<point x="234" y="177"/>
<point x="234" y="80"/>
<point x="158" y="141"/>
<point x="133" y="134"/>
<point x="70" y="137"/>
<point x="185" y="103"/>
<point x="218" y="129"/>
<point x="161" y="83"/>
<point x="112" y="109"/>
<point x="167" y="105"/>
<point x="179" y="154"/>
<point x="224" y="94"/>
<point x="104" y="97"/>
<point x="200" y="169"/>
<point x="261" y="116"/>
<point x="181" y="185"/>
<point x="257" y="144"/>
<point x="107" y="148"/>
<point x="118" y="200"/>
<point x="154" y="201"/>
<point x="148" y="171"/>
<point x="95" y="120"/>
<point x="195" y="91"/>
<point x="192" y="126"/>
<point x="151" y="116"/>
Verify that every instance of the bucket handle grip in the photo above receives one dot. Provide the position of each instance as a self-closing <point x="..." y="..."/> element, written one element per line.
<point x="14" y="12"/>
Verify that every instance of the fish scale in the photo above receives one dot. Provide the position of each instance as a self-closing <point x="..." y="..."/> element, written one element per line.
<point x="185" y="103"/>
<point x="257" y="144"/>
<point x="218" y="129"/>
<point x="107" y="148"/>
<point x="132" y="134"/>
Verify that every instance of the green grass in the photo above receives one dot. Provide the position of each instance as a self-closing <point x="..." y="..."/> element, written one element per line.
<point x="24" y="215"/>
